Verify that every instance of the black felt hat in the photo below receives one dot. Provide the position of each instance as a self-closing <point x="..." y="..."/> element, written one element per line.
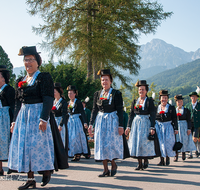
<point x="71" y="87"/>
<point x="163" y="93"/>
<point x="141" y="83"/>
<point x="25" y="50"/>
<point x="104" y="72"/>
<point x="178" y="97"/>
<point x="193" y="94"/>
<point x="58" y="87"/>
<point x="3" y="68"/>
<point x="177" y="146"/>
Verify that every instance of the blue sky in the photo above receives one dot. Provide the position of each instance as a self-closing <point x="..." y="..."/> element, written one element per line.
<point x="181" y="30"/>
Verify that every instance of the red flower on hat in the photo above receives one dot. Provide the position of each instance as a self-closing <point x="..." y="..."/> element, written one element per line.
<point x="53" y="108"/>
<point x="22" y="84"/>
<point x="179" y="114"/>
<point x="161" y="112"/>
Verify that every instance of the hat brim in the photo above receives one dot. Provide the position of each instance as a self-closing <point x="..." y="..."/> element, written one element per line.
<point x="3" y="69"/>
<point x="58" y="87"/>
<point x="28" y="54"/>
<point x="193" y="95"/>
<point x="178" y="99"/>
<point x="138" y="85"/>
<point x="164" y="94"/>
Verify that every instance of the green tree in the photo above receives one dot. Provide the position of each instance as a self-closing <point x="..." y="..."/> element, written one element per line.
<point x="152" y="88"/>
<point x="4" y="60"/>
<point x="68" y="74"/>
<point x="126" y="98"/>
<point x="100" y="33"/>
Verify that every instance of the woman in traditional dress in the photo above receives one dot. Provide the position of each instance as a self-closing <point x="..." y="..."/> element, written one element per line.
<point x="141" y="121"/>
<point x="7" y="104"/>
<point x="108" y="112"/>
<point x="78" y="143"/>
<point x="32" y="147"/>
<point x="59" y="110"/>
<point x="166" y="127"/>
<point x="184" y="128"/>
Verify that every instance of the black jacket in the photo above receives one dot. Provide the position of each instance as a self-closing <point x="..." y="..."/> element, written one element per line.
<point x="169" y="116"/>
<point x="78" y="109"/>
<point x="62" y="111"/>
<point x="186" y="116"/>
<point x="149" y="109"/>
<point x="103" y="106"/>
<point x="7" y="97"/>
<point x="41" y="92"/>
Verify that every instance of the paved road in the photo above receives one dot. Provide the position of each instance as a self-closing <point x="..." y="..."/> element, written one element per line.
<point x="83" y="175"/>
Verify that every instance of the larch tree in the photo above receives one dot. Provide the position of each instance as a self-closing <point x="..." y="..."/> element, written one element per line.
<point x="99" y="33"/>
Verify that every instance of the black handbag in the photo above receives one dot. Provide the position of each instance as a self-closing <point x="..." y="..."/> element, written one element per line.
<point x="177" y="146"/>
<point x="151" y="137"/>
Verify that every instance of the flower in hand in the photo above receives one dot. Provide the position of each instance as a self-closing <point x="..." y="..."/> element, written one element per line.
<point x="22" y="84"/>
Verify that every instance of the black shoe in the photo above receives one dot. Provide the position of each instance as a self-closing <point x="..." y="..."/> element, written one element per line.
<point x="175" y="158"/>
<point x="45" y="179"/>
<point x="105" y="174"/>
<point x="146" y="164"/>
<point x="75" y="159"/>
<point x="197" y="154"/>
<point x="139" y="167"/>
<point x="9" y="171"/>
<point x="28" y="184"/>
<point x="183" y="155"/>
<point x="87" y="156"/>
<point x="1" y="172"/>
<point x="161" y="163"/>
<point x="190" y="157"/>
<point x="113" y="172"/>
<point x="167" y="161"/>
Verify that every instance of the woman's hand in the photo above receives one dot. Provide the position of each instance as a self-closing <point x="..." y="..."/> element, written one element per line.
<point x="120" y="130"/>
<point x="127" y="131"/>
<point x="85" y="125"/>
<point x="90" y="130"/>
<point x="12" y="127"/>
<point x="152" y="132"/>
<point x="176" y="132"/>
<point x="59" y="128"/>
<point x="188" y="132"/>
<point x="42" y="125"/>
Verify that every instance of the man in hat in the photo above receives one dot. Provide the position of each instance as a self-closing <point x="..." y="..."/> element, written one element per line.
<point x="87" y="114"/>
<point x="194" y="108"/>
<point x="87" y="111"/>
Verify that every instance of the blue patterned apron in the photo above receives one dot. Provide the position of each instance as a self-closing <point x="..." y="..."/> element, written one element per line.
<point x="139" y="145"/>
<point x="108" y="142"/>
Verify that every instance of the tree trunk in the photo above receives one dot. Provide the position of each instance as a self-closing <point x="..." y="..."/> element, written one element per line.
<point x="95" y="70"/>
<point x="89" y="43"/>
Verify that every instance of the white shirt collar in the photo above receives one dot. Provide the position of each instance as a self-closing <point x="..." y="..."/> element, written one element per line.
<point x="194" y="105"/>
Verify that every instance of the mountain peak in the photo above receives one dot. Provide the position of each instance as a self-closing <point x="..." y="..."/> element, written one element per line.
<point x="159" y="53"/>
